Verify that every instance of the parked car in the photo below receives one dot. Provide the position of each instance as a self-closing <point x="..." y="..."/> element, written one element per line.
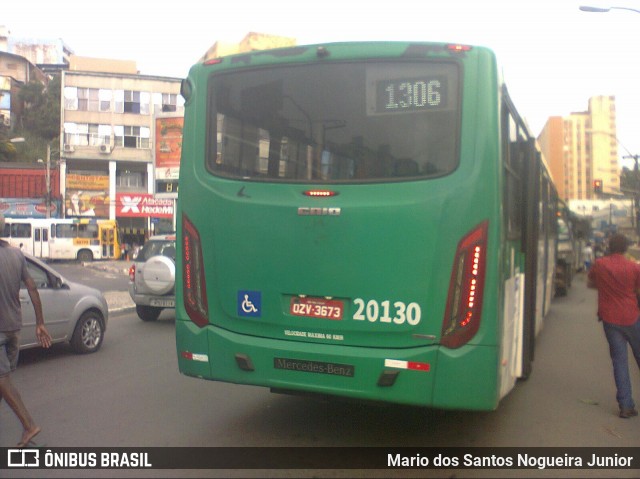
<point x="152" y="277"/>
<point x="72" y="312"/>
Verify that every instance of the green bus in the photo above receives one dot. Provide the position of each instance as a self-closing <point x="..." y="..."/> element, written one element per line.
<point x="365" y="220"/>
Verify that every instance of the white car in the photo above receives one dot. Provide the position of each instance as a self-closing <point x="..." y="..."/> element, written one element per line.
<point x="72" y="312"/>
<point x="152" y="277"/>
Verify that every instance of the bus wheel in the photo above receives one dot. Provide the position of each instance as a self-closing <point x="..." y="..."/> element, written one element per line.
<point x="85" y="255"/>
<point x="148" y="313"/>
<point x="88" y="334"/>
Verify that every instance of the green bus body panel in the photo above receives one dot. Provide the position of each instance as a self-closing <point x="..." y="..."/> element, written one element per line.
<point x="391" y="242"/>
<point x="475" y="389"/>
<point x="375" y="250"/>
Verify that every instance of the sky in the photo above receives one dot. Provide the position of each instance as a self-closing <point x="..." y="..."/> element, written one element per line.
<point x="553" y="56"/>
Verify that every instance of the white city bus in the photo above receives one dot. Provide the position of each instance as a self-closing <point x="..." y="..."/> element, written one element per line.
<point x="54" y="238"/>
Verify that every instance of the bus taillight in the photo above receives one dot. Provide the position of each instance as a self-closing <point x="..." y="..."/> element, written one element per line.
<point x="454" y="47"/>
<point x="464" y="302"/>
<point x="132" y="273"/>
<point x="194" y="288"/>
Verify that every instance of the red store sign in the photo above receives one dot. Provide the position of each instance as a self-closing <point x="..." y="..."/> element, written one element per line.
<point x="139" y="205"/>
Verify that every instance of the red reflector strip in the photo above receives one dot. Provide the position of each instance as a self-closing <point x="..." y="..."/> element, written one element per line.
<point x="412" y="365"/>
<point x="213" y="61"/>
<point x="194" y="356"/>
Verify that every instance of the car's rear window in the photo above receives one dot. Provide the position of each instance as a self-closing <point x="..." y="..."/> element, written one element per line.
<point x="155" y="248"/>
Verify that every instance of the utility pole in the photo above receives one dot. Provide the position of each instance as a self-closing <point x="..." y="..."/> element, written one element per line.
<point x="48" y="181"/>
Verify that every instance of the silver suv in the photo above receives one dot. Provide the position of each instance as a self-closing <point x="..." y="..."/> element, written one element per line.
<point x="152" y="277"/>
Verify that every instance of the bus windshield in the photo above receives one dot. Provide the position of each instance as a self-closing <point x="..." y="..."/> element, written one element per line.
<point x="341" y="122"/>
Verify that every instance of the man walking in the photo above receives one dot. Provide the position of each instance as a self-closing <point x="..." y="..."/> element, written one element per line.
<point x="13" y="271"/>
<point x="617" y="280"/>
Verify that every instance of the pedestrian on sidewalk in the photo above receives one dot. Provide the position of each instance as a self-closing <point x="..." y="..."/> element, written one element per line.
<point x="13" y="271"/>
<point x="587" y="255"/>
<point x="617" y="280"/>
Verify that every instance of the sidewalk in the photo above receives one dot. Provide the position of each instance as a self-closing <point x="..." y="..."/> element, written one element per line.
<point x="118" y="301"/>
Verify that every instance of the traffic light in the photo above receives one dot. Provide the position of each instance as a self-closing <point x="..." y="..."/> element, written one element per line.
<point x="597" y="186"/>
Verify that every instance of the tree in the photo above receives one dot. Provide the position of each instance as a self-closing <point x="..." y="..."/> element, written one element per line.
<point x="8" y="150"/>
<point x="629" y="180"/>
<point x="39" y="123"/>
<point x="41" y="108"/>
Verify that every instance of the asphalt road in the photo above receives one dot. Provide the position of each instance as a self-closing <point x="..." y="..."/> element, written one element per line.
<point x="130" y="394"/>
<point x="104" y="275"/>
<point x="110" y="277"/>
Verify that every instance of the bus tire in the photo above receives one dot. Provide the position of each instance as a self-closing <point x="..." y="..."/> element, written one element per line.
<point x="88" y="333"/>
<point x="148" y="313"/>
<point x="85" y="255"/>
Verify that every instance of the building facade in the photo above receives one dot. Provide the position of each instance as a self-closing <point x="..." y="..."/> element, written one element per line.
<point x="604" y="144"/>
<point x="251" y="42"/>
<point x="15" y="72"/>
<point x="107" y="144"/>
<point x="121" y="132"/>
<point x="582" y="151"/>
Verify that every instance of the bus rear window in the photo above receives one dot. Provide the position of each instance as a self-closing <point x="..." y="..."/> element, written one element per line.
<point x="345" y="122"/>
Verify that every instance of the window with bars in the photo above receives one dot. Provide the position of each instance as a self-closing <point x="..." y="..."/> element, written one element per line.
<point x="83" y="134"/>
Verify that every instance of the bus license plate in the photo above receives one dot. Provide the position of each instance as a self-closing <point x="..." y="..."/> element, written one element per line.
<point x="317" y="308"/>
<point x="163" y="303"/>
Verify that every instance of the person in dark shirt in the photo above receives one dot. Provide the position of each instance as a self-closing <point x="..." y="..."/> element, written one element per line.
<point x="13" y="271"/>
<point x="617" y="280"/>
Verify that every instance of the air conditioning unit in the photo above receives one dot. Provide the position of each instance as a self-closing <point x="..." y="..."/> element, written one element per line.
<point x="68" y="148"/>
<point x="105" y="149"/>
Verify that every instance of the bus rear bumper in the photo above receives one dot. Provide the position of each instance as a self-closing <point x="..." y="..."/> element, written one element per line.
<point x="404" y="376"/>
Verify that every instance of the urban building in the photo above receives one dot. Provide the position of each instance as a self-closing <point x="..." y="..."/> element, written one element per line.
<point x="582" y="151"/>
<point x="108" y="144"/>
<point x="15" y="71"/>
<point x="120" y="133"/>
<point x="50" y="55"/>
<point x="607" y="215"/>
<point x="551" y="141"/>
<point x="251" y="42"/>
<point x="21" y="61"/>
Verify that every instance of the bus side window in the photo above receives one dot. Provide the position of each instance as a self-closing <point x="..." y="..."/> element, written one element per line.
<point x="514" y="142"/>
<point x="19" y="230"/>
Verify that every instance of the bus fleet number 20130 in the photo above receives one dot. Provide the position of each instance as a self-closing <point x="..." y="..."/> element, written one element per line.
<point x="386" y="312"/>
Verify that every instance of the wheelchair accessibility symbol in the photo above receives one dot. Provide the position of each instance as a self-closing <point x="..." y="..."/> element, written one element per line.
<point x="249" y="303"/>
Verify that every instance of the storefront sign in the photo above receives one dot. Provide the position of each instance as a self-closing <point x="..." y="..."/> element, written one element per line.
<point x="87" y="182"/>
<point x="168" y="147"/>
<point x="86" y="203"/>
<point x="139" y="205"/>
<point x="27" y="208"/>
